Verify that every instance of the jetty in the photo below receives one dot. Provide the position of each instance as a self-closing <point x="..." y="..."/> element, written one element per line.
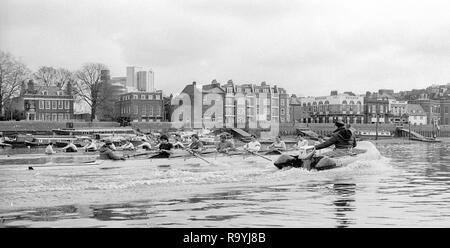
<point x="415" y="136"/>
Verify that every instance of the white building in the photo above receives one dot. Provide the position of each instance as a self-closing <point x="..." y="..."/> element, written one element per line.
<point x="416" y="114"/>
<point x="140" y="78"/>
<point x="327" y="109"/>
<point x="397" y="111"/>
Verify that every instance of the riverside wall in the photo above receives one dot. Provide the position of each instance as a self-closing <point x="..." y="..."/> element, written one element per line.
<point x="327" y="128"/>
<point x="45" y="127"/>
<point x="11" y="127"/>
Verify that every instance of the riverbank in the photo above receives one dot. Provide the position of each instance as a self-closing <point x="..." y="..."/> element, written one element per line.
<point x="286" y="129"/>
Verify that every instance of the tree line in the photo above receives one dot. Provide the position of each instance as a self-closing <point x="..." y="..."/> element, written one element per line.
<point x="85" y="84"/>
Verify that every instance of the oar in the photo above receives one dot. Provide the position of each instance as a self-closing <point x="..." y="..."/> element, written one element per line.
<point x="198" y="156"/>
<point x="139" y="154"/>
<point x="256" y="154"/>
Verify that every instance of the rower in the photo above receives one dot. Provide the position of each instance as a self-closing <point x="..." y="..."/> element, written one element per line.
<point x="224" y="145"/>
<point x="196" y="145"/>
<point x="49" y="149"/>
<point x="165" y="148"/>
<point x="277" y="146"/>
<point x="70" y="147"/>
<point x="90" y="147"/>
<point x="253" y="146"/>
<point x="127" y="146"/>
<point x="144" y="145"/>
<point x="178" y="144"/>
<point x="106" y="151"/>
<point x="301" y="142"/>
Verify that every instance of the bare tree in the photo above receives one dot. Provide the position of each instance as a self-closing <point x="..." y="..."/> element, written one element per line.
<point x="46" y="76"/>
<point x="89" y="85"/>
<point x="63" y="76"/>
<point x="12" y="74"/>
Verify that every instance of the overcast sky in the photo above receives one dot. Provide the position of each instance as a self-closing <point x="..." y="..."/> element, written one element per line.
<point x="307" y="47"/>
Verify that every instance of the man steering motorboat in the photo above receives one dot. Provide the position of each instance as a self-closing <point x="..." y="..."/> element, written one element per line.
<point x="343" y="140"/>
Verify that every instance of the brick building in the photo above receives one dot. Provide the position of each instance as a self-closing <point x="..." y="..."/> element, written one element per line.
<point x="431" y="107"/>
<point x="45" y="103"/>
<point x="445" y="111"/>
<point x="243" y="105"/>
<point x="141" y="106"/>
<point x="297" y="113"/>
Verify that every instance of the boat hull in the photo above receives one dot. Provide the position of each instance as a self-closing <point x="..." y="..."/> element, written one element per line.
<point x="364" y="151"/>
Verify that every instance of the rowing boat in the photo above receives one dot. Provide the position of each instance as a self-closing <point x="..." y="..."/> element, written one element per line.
<point x="208" y="156"/>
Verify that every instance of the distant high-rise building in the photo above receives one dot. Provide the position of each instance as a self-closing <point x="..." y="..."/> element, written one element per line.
<point x="131" y="76"/>
<point x="140" y="78"/>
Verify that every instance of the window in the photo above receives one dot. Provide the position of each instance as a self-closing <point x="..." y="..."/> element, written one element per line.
<point x="54" y="117"/>
<point x="150" y="110"/>
<point x="241" y="111"/>
<point x="136" y="110"/>
<point x="41" y="104"/>
<point x="143" y="110"/>
<point x="158" y="97"/>
<point x="67" y="116"/>
<point x="48" y="117"/>
<point x="47" y="104"/>
<point x="44" y="92"/>
<point x="150" y="97"/>
<point x="60" y="117"/>
<point x="59" y="93"/>
<point x="142" y="97"/>
<point x="66" y="103"/>
<point x="275" y="102"/>
<point x="229" y="111"/>
<point x="60" y="104"/>
<point x="54" y="104"/>
<point x="157" y="111"/>
<point x="282" y="111"/>
<point x="135" y="97"/>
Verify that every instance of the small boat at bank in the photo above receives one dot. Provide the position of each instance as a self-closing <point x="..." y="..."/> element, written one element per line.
<point x="425" y="139"/>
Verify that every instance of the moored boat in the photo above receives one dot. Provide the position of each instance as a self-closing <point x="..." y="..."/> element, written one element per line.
<point x="425" y="139"/>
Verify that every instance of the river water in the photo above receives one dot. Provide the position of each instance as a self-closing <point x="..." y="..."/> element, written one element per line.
<point x="409" y="186"/>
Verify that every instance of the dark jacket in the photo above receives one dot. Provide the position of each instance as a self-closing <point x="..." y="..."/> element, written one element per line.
<point x="342" y="138"/>
<point x="107" y="153"/>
